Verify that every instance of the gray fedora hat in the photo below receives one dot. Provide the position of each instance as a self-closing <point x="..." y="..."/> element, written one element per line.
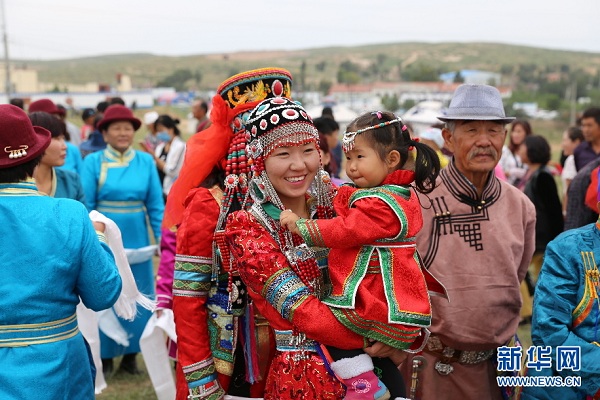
<point x="476" y="103"/>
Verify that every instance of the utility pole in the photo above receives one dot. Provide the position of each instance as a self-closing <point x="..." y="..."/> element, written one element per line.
<point x="8" y="85"/>
<point x="573" y="93"/>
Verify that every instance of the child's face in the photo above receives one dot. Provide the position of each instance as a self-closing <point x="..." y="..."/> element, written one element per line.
<point x="364" y="166"/>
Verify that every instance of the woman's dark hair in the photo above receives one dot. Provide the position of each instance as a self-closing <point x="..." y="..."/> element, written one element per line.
<point x="97" y="119"/>
<point x="324" y="146"/>
<point x="56" y="126"/>
<point x="574" y="133"/>
<point x="17" y="101"/>
<point x="216" y="177"/>
<point x="204" y="106"/>
<point x="19" y="172"/>
<point x="325" y="125"/>
<point x="327" y="112"/>
<point x="168" y="122"/>
<point x="102" y="106"/>
<point x="117" y="100"/>
<point x="397" y="137"/>
<point x="538" y="149"/>
<point x="512" y="146"/>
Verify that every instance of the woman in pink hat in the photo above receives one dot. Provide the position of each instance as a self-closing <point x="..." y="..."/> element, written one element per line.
<point x="51" y="257"/>
<point x="123" y="184"/>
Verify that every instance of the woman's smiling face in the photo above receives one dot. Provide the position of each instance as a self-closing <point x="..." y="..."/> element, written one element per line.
<point x="292" y="169"/>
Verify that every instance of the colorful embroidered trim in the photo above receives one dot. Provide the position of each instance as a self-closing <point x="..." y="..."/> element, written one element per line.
<point x="590" y="293"/>
<point x="200" y="373"/>
<point x="309" y="230"/>
<point x="192" y="276"/>
<point x="202" y="381"/>
<point x="285" y="291"/>
<point x="397" y="336"/>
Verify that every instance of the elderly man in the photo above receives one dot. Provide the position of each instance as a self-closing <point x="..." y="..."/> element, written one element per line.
<point x="478" y="238"/>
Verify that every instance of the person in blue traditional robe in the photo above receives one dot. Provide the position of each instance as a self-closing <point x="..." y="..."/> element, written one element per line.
<point x="566" y="315"/>
<point x="123" y="184"/>
<point x="51" y="258"/>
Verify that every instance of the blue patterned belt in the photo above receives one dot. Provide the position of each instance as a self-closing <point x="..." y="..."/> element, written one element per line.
<point x="120" y="206"/>
<point x="46" y="332"/>
<point x="288" y="341"/>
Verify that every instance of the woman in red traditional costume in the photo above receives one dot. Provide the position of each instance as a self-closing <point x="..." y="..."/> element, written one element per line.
<point x="222" y="344"/>
<point x="380" y="289"/>
<point x="284" y="277"/>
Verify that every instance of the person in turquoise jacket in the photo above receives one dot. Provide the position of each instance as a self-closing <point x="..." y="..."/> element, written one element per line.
<point x="123" y="184"/>
<point x="566" y="312"/>
<point x="51" y="258"/>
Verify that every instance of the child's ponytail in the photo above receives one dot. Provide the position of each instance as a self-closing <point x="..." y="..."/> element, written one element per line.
<point x="427" y="166"/>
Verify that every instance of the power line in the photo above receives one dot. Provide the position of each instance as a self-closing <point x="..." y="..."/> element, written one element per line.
<point x="6" y="57"/>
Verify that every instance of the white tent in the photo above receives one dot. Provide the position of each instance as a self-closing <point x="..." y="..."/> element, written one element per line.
<point x="423" y="115"/>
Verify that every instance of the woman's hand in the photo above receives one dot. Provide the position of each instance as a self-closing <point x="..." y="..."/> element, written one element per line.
<point x="288" y="220"/>
<point x="378" y="349"/>
<point x="99" y="226"/>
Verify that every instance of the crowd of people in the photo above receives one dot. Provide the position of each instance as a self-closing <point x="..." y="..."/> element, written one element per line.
<point x="300" y="261"/>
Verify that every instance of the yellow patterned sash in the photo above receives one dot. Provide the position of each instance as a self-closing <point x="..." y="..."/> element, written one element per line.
<point x="31" y="334"/>
<point x="106" y="206"/>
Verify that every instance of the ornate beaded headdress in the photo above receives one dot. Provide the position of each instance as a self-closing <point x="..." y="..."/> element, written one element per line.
<point x="235" y="98"/>
<point x="348" y="139"/>
<point x="276" y="123"/>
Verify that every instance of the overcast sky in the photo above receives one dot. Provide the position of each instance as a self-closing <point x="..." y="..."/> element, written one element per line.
<point x="58" y="29"/>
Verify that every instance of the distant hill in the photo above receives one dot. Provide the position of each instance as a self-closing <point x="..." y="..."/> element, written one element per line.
<point x="313" y="66"/>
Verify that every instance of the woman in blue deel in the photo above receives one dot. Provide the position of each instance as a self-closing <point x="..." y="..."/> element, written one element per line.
<point x="50" y="258"/>
<point x="123" y="184"/>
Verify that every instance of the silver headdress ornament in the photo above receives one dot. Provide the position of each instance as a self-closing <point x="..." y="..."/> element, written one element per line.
<point x="348" y="139"/>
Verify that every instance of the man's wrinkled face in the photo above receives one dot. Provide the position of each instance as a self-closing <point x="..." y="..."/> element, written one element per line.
<point x="477" y="145"/>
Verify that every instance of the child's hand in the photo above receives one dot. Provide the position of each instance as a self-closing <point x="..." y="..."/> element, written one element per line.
<point x="288" y="219"/>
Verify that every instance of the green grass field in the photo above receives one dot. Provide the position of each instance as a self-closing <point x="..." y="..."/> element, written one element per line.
<point x="123" y="386"/>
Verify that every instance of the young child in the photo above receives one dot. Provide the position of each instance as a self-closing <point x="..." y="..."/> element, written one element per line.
<point x="380" y="289"/>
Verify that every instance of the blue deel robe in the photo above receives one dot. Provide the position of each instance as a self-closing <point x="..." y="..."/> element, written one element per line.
<point x="566" y="311"/>
<point x="51" y="257"/>
<point x="125" y="188"/>
<point x="74" y="161"/>
<point x="67" y="185"/>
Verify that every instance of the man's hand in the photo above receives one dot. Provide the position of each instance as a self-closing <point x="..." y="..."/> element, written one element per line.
<point x="288" y="219"/>
<point x="378" y="349"/>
